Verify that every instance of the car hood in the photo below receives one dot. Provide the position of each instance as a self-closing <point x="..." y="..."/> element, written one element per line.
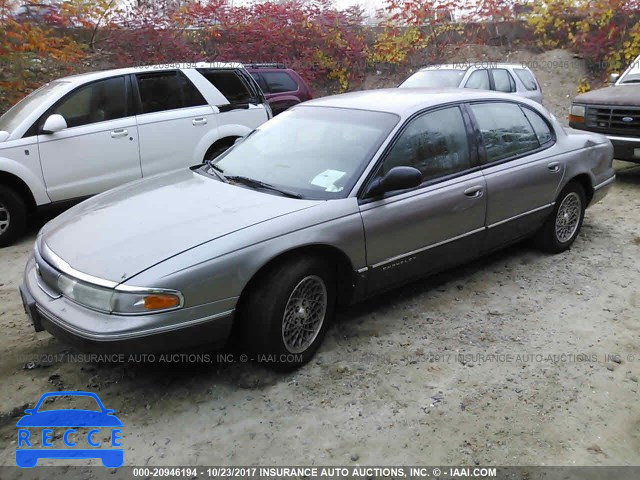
<point x="627" y="95"/>
<point x="124" y="231"/>
<point x="69" y="418"/>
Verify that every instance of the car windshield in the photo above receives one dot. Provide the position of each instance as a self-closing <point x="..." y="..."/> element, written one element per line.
<point x="434" y="78"/>
<point x="632" y="75"/>
<point x="16" y="114"/>
<point x="314" y="152"/>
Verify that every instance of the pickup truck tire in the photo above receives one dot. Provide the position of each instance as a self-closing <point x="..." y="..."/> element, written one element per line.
<point x="563" y="225"/>
<point x="13" y="216"/>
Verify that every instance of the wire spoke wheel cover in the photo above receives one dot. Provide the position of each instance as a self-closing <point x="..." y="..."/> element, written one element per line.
<point x="304" y="314"/>
<point x="5" y="219"/>
<point x="568" y="217"/>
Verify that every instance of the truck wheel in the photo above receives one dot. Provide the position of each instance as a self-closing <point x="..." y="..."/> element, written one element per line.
<point x="287" y="313"/>
<point x="563" y="225"/>
<point x="13" y="216"/>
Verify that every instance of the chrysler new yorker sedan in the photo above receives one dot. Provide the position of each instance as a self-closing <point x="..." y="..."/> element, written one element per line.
<point x="328" y="203"/>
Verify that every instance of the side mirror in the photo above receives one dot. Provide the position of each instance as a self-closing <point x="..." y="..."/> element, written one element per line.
<point x="29" y="411"/>
<point x="4" y="135"/>
<point x="613" y="77"/>
<point x="398" y="178"/>
<point x="54" y="123"/>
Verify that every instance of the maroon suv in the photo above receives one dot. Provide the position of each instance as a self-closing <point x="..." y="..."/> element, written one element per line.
<point x="282" y="86"/>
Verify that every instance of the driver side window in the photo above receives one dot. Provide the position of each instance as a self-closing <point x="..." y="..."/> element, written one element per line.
<point x="97" y="102"/>
<point x="435" y="143"/>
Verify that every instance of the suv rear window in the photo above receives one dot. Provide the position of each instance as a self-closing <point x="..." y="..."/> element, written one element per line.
<point x="527" y="78"/>
<point x="230" y="84"/>
<point x="278" y="82"/>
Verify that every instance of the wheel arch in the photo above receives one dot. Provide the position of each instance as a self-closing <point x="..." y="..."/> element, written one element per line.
<point x="584" y="180"/>
<point x="21" y="188"/>
<point x="345" y="275"/>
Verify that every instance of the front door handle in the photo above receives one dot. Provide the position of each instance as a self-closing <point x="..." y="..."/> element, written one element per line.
<point x="199" y="121"/>
<point x="474" y="191"/>
<point x="554" y="166"/>
<point x="119" y="133"/>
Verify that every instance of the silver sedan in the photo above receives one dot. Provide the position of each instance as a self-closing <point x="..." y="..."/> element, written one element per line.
<point x="329" y="203"/>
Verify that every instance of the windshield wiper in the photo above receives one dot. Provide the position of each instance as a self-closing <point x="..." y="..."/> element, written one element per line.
<point x="250" y="182"/>
<point x="217" y="171"/>
<point x="633" y="80"/>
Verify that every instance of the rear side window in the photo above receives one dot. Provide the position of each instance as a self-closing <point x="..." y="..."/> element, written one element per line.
<point x="506" y="132"/>
<point x="543" y="132"/>
<point x="97" y="102"/>
<point x="230" y="84"/>
<point x="278" y="82"/>
<point x="503" y="81"/>
<point x="167" y="91"/>
<point x="527" y="78"/>
<point x="479" y="79"/>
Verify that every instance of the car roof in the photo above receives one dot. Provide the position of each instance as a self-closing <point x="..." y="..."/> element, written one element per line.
<point x="90" y="76"/>
<point x="406" y="101"/>
<point x="467" y="65"/>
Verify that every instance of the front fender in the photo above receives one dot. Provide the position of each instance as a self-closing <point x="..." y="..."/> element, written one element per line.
<point x="224" y="131"/>
<point x="34" y="182"/>
<point x="220" y="269"/>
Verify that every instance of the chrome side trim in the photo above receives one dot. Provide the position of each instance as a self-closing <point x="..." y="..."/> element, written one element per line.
<point x="605" y="183"/>
<point x="130" y="335"/>
<point x="362" y="270"/>
<point x="64" y="267"/>
<point x="501" y="222"/>
<point x="420" y="250"/>
<point x="623" y="139"/>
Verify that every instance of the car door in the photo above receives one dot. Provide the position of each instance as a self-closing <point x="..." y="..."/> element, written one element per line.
<point x="522" y="168"/>
<point x="99" y="148"/>
<point x="173" y="117"/>
<point x="478" y="79"/>
<point x="502" y="80"/>
<point x="441" y="222"/>
<point x="245" y="105"/>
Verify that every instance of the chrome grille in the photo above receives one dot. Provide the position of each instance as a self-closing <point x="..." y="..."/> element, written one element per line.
<point x="612" y="120"/>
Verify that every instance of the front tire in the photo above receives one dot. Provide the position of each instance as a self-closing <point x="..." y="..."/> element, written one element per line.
<point x="13" y="216"/>
<point x="287" y="312"/>
<point x="563" y="225"/>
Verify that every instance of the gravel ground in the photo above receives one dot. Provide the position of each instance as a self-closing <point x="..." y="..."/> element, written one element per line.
<point x="520" y="358"/>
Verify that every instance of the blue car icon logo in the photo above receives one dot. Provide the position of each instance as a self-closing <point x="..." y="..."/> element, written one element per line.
<point x="36" y="433"/>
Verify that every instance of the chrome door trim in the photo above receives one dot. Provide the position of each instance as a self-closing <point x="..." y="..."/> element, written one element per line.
<point x="515" y="217"/>
<point x="428" y="247"/>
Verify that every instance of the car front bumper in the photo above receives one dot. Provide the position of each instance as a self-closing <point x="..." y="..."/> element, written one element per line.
<point x="89" y="330"/>
<point x="625" y="148"/>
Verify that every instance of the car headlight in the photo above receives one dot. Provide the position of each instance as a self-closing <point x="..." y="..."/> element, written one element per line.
<point x="577" y="113"/>
<point x="122" y="300"/>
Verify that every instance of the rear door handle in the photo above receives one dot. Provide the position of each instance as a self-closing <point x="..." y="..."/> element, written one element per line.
<point x="199" y="121"/>
<point x="474" y="191"/>
<point x="554" y="166"/>
<point x="119" y="133"/>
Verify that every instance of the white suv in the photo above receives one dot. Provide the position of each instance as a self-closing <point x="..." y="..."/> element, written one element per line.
<point x="503" y="77"/>
<point x="81" y="135"/>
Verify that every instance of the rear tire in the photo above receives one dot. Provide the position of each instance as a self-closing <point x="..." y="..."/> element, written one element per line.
<point x="13" y="216"/>
<point x="287" y="312"/>
<point x="563" y="225"/>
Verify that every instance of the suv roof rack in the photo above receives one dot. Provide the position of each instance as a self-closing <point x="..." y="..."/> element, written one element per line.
<point x="265" y="65"/>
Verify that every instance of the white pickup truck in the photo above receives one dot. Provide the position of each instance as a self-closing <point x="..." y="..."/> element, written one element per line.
<point x="81" y="135"/>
